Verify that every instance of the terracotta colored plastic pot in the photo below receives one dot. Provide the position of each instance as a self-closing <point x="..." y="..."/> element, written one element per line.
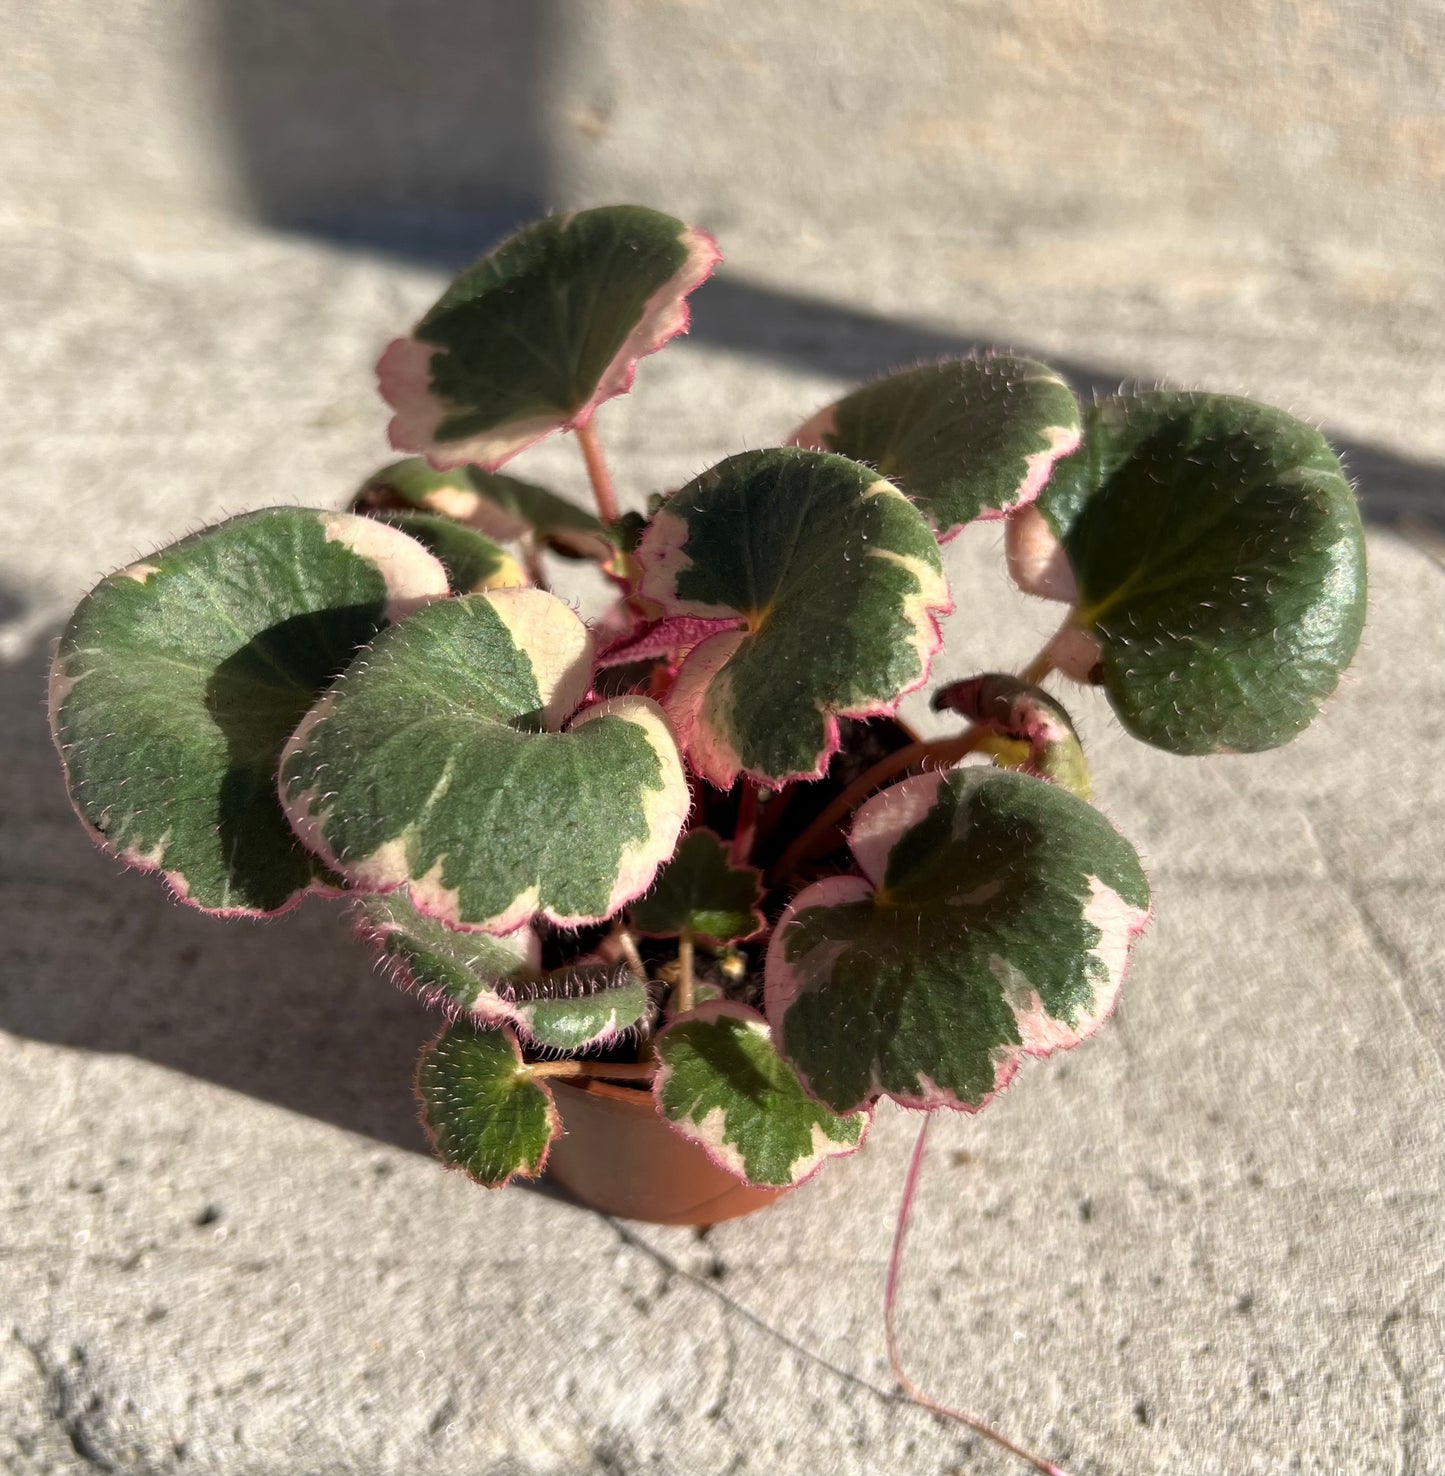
<point x="617" y="1155"/>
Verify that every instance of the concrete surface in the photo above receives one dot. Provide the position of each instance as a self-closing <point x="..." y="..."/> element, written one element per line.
<point x="1209" y="1241"/>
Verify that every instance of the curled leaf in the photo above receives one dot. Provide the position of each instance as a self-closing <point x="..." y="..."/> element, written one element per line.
<point x="993" y="919"/>
<point x="179" y="679"/>
<point x="722" y="1085"/>
<point x="540" y="332"/>
<point x="498" y="506"/>
<point x="473" y="563"/>
<point x="964" y="438"/>
<point x="833" y="581"/>
<point x="451" y="760"/>
<point x="1029" y="729"/>
<point x="483" y="1112"/>
<point x="499" y="980"/>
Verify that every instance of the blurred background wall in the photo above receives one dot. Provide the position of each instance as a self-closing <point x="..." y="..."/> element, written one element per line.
<point x="1167" y="136"/>
<point x="1143" y="192"/>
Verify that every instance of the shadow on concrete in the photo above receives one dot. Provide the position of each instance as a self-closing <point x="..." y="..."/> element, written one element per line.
<point x="417" y="107"/>
<point x="817" y="336"/>
<point x="290" y="1010"/>
<point x="419" y="129"/>
<point x="824" y="337"/>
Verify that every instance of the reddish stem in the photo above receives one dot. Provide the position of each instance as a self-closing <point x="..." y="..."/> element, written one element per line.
<point x="746" y="827"/>
<point x="1039" y="667"/>
<point x="598" y="475"/>
<point x="532" y="559"/>
<point x="608" y="1070"/>
<point x="890" y="1298"/>
<point x="940" y="751"/>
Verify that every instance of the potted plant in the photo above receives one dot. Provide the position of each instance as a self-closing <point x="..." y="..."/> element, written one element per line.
<point x="690" y="895"/>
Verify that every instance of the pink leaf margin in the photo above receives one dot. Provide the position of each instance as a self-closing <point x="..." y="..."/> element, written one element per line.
<point x="708" y="1013"/>
<point x="413" y="577"/>
<point x="662" y="556"/>
<point x="526" y="1171"/>
<point x="493" y="1008"/>
<point x="816" y="432"/>
<point x="404" y="375"/>
<point x="877" y="828"/>
<point x="712" y="755"/>
<point x="665" y="811"/>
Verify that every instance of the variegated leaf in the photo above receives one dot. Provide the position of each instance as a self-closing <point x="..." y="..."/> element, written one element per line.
<point x="482" y="1109"/>
<point x="179" y="679"/>
<point x="540" y="332"/>
<point x="449" y="760"/>
<point x="993" y="919"/>
<point x="965" y="438"/>
<point x="496" y="505"/>
<point x="1214" y="554"/>
<point x="721" y="1084"/>
<point x="473" y="563"/>
<point x="833" y="580"/>
<point x="1028" y="729"/>
<point x="500" y="980"/>
<point x="702" y="893"/>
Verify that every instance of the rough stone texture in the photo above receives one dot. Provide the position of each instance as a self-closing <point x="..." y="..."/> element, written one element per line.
<point x="1209" y="1241"/>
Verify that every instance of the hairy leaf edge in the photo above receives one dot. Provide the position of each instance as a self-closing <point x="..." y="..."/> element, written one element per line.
<point x="871" y="849"/>
<point x="404" y="375"/>
<point x="526" y="1171"/>
<point x="719" y="1155"/>
<point x="391" y="554"/>
<point x="713" y="756"/>
<point x="816" y="432"/>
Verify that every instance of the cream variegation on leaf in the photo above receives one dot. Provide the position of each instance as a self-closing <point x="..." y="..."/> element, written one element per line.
<point x="453" y="760"/>
<point x="833" y="585"/>
<point x="992" y="920"/>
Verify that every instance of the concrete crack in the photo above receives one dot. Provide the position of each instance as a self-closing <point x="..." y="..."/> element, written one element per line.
<point x="1413" y="1435"/>
<point x="67" y="1418"/>
<point x="1396" y="964"/>
<point x="635" y="1242"/>
<point x="1409" y="1417"/>
<point x="718" y="1406"/>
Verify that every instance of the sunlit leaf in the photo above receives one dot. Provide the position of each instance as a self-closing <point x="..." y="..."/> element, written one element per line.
<point x="1217" y="564"/>
<point x="473" y="563"/>
<point x="499" y="980"/>
<point x="833" y="581"/>
<point x="179" y="679"/>
<point x="452" y="760"/>
<point x="499" y="506"/>
<point x="540" y="332"/>
<point x="993" y="919"/>
<point x="964" y="438"/>
<point x="722" y="1085"/>
<point x="482" y="1110"/>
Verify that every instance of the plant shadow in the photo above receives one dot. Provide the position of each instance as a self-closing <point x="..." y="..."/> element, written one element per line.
<point x="289" y="1010"/>
<point x="817" y="336"/>
<point x="426" y="132"/>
